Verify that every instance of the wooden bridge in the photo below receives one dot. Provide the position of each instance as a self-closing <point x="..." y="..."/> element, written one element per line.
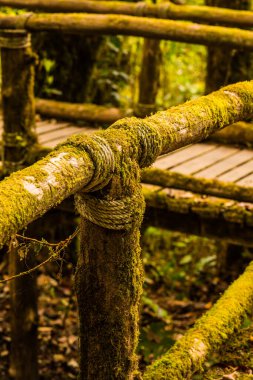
<point x="109" y="270"/>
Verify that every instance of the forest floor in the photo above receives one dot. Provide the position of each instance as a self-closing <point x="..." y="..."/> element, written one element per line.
<point x="181" y="283"/>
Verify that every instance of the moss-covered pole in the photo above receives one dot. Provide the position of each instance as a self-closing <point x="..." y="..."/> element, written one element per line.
<point x="130" y="25"/>
<point x="238" y="133"/>
<point x="109" y="272"/>
<point x="165" y="10"/>
<point x="209" y="332"/>
<point x="18" y="139"/>
<point x="17" y="96"/>
<point x="71" y="111"/>
<point x="168" y="178"/>
<point x="29" y="193"/>
<point x="149" y="78"/>
<point x="202" y="216"/>
<point x="17" y="61"/>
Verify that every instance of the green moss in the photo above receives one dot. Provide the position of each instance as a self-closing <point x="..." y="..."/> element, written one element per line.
<point x="17" y="89"/>
<point x="109" y="321"/>
<point x="214" y="187"/>
<point x="209" y="332"/>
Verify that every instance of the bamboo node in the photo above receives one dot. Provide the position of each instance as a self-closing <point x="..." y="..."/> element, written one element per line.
<point x="140" y="9"/>
<point x="163" y="10"/>
<point x="15" y="39"/>
<point x="113" y="214"/>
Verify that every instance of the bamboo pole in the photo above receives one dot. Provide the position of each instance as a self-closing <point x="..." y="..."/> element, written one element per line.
<point x="17" y="93"/>
<point x="29" y="193"/>
<point x="238" y="133"/>
<point x="192" y="213"/>
<point x="209" y="332"/>
<point x="149" y="78"/>
<point x="18" y="62"/>
<point x="109" y="274"/>
<point x="166" y="10"/>
<point x="130" y="25"/>
<point x="168" y="178"/>
<point x="70" y="111"/>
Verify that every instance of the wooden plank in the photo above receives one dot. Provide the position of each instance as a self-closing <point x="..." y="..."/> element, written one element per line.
<point x="60" y="139"/>
<point x="247" y="181"/>
<point x="61" y="133"/>
<point x="49" y="127"/>
<point x="227" y="164"/>
<point x="206" y="160"/>
<point x="168" y="161"/>
<point x="237" y="173"/>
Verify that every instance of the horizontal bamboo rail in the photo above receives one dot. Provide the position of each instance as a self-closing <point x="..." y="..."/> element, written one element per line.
<point x="167" y="178"/>
<point x="130" y="25"/>
<point x="70" y="111"/>
<point x="209" y="332"/>
<point x="165" y="10"/>
<point x="238" y="133"/>
<point x="207" y="207"/>
<point x="29" y="193"/>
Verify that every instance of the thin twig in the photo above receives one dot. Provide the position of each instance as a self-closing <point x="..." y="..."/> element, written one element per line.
<point x="59" y="248"/>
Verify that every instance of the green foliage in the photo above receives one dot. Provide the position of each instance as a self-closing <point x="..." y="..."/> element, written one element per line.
<point x="182" y="73"/>
<point x="173" y="258"/>
<point x="47" y="66"/>
<point x="110" y="73"/>
<point x="178" y="267"/>
<point x="11" y="11"/>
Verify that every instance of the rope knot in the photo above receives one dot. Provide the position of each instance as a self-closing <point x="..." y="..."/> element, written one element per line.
<point x="113" y="214"/>
<point x="102" y="156"/>
<point x="15" y="39"/>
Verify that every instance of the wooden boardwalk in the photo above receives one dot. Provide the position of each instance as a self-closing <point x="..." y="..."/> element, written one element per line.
<point x="208" y="160"/>
<point x="204" y="160"/>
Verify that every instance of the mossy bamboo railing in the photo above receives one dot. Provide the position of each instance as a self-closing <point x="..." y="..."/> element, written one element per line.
<point x="130" y="25"/>
<point x="109" y="274"/>
<point x="218" y="188"/>
<point x="193" y="213"/>
<point x="37" y="188"/>
<point x="85" y="112"/>
<point x="165" y="10"/>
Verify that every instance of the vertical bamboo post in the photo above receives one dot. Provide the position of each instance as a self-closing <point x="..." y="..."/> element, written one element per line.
<point x="109" y="274"/>
<point x="149" y="78"/>
<point x="17" y="62"/>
